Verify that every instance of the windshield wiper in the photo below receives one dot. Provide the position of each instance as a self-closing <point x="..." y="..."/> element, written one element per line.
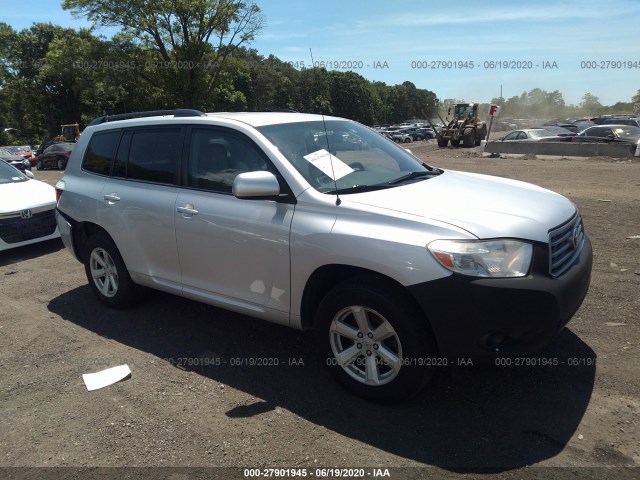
<point x="412" y="175"/>
<point x="359" y="189"/>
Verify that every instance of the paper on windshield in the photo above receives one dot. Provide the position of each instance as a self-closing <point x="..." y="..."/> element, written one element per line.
<point x="330" y="165"/>
<point x="94" y="381"/>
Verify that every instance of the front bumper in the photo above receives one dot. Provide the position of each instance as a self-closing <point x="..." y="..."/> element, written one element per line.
<point x="484" y="317"/>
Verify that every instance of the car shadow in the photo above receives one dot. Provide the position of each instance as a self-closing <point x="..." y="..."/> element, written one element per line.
<point x="28" y="252"/>
<point x="468" y="419"/>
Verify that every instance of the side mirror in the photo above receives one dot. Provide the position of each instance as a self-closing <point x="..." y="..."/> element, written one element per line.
<point x="257" y="184"/>
<point x="28" y="173"/>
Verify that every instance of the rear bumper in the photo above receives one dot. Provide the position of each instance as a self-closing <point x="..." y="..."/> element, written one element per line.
<point x="65" y="228"/>
<point x="473" y="317"/>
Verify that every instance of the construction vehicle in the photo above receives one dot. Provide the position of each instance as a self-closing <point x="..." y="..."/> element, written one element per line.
<point x="465" y="127"/>
<point x="69" y="132"/>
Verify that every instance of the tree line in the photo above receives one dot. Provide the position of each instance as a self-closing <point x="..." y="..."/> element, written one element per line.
<point x="172" y="54"/>
<point x="195" y="54"/>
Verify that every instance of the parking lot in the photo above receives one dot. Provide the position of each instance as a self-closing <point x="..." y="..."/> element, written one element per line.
<point x="210" y="388"/>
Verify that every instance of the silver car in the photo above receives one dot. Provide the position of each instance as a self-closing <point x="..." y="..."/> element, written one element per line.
<point x="398" y="267"/>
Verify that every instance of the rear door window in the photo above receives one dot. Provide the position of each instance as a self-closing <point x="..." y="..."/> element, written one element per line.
<point x="154" y="155"/>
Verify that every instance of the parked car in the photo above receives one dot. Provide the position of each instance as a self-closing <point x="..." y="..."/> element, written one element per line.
<point x="15" y="160"/>
<point x="561" y="131"/>
<point x="23" y="152"/>
<point x="610" y="133"/>
<point x="27" y="209"/>
<point x="506" y="124"/>
<point x="55" y="156"/>
<point x="397" y="266"/>
<point x="418" y="133"/>
<point x="400" y="137"/>
<point x="634" y="122"/>
<point x="531" y="135"/>
<point x="46" y="144"/>
<point x="428" y="132"/>
<point x="567" y="126"/>
<point x="581" y="126"/>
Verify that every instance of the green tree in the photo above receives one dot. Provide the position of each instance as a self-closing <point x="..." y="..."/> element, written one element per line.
<point x="352" y="97"/>
<point x="189" y="41"/>
<point x="590" y="104"/>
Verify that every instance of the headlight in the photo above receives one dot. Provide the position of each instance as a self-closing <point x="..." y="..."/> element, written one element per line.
<point x="484" y="258"/>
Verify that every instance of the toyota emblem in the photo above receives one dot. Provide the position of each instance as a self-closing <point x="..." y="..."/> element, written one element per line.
<point x="575" y="237"/>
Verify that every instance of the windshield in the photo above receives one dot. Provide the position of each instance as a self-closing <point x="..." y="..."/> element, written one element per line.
<point x="9" y="174"/>
<point x="464" y="111"/>
<point x="343" y="155"/>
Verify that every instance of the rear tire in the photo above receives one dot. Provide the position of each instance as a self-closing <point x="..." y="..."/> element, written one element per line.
<point x="39" y="165"/>
<point x="374" y="341"/>
<point x="60" y="164"/>
<point x="107" y="274"/>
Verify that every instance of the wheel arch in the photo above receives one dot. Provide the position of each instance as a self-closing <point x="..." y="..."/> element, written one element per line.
<point x="327" y="277"/>
<point x="82" y="231"/>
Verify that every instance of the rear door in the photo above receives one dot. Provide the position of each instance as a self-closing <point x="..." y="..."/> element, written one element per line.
<point x="233" y="252"/>
<point x="138" y="203"/>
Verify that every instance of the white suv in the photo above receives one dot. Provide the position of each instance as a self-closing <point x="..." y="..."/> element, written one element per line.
<point x="321" y="223"/>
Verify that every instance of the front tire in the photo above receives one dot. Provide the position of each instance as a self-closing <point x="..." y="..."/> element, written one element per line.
<point x="107" y="274"/>
<point x="443" y="142"/>
<point x="468" y="138"/>
<point x="39" y="165"/>
<point x="374" y="341"/>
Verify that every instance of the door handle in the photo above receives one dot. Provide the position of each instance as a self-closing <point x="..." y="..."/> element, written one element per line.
<point x="187" y="210"/>
<point x="112" y="197"/>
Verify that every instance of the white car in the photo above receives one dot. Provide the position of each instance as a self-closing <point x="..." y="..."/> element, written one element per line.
<point x="27" y="209"/>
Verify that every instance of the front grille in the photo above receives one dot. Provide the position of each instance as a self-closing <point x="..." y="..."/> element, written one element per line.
<point x="565" y="244"/>
<point x="17" y="229"/>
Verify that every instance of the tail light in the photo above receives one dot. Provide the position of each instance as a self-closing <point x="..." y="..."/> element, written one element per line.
<point x="59" y="190"/>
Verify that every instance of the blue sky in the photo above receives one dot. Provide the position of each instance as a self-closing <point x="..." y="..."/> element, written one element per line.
<point x="405" y="36"/>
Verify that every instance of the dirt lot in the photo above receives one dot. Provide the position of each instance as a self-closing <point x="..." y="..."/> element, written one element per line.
<point x="180" y="410"/>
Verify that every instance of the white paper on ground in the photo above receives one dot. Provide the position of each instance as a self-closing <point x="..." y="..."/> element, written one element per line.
<point x="94" y="381"/>
<point x="328" y="164"/>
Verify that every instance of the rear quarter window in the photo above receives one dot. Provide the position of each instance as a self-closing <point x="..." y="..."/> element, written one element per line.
<point x="100" y="151"/>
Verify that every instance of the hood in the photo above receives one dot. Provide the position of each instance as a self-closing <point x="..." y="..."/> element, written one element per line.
<point x="485" y="206"/>
<point x="18" y="196"/>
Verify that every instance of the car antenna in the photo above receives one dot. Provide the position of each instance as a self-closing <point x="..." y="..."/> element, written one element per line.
<point x="326" y="136"/>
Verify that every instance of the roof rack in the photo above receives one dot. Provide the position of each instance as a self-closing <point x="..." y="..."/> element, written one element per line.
<point x="180" y="112"/>
<point x="278" y="110"/>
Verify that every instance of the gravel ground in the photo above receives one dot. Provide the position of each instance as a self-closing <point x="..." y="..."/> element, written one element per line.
<point x="192" y="401"/>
